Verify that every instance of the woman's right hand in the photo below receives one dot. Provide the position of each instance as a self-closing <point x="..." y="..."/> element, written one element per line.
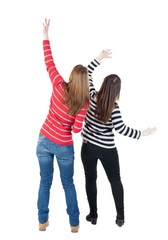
<point x="46" y="25"/>
<point x="104" y="54"/>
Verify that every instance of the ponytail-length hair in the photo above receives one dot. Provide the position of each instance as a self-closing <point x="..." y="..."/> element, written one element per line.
<point x="77" y="90"/>
<point x="107" y="96"/>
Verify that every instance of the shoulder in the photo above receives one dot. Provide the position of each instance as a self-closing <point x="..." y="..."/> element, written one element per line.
<point x="116" y="105"/>
<point x="116" y="109"/>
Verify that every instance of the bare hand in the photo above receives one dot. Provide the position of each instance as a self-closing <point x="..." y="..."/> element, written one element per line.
<point x="148" y="131"/>
<point x="104" y="54"/>
<point x="46" y="25"/>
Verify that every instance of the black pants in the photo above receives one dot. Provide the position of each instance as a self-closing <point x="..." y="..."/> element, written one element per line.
<point x="90" y="154"/>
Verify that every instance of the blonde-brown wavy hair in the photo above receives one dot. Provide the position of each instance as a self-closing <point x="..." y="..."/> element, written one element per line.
<point x="77" y="89"/>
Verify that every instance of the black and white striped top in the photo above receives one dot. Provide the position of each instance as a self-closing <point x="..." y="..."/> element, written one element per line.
<point x="97" y="132"/>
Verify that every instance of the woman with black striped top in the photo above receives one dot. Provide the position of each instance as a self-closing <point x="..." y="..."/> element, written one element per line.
<point x="98" y="139"/>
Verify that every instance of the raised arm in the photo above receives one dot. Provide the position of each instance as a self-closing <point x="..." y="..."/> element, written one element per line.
<point x="96" y="62"/>
<point x="48" y="58"/>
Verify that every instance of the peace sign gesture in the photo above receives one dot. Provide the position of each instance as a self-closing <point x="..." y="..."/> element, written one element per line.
<point x="46" y="25"/>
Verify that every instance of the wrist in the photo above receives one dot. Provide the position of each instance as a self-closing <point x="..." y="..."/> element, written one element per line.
<point x="45" y="37"/>
<point x="98" y="59"/>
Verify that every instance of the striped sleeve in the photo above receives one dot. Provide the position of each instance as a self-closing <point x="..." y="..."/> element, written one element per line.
<point x="120" y="126"/>
<point x="49" y="62"/>
<point x="78" y="123"/>
<point x="91" y="67"/>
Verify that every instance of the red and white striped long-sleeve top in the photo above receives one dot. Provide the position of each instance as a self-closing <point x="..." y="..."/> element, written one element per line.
<point x="58" y="125"/>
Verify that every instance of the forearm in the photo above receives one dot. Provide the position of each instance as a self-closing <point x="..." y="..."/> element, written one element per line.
<point x="91" y="67"/>
<point x="99" y="58"/>
<point x="47" y="53"/>
<point x="78" y="124"/>
<point x="49" y="62"/>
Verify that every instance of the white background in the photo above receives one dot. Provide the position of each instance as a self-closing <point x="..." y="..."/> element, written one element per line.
<point x="136" y="31"/>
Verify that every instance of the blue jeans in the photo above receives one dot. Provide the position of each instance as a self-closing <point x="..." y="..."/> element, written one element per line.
<point x="46" y="150"/>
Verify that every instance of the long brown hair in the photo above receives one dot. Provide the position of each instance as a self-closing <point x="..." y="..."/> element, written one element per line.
<point x="106" y="97"/>
<point x="77" y="89"/>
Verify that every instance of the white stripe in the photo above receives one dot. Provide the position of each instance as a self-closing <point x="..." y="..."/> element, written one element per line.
<point x="98" y="135"/>
<point x="49" y="61"/>
<point x="76" y="120"/>
<point x="119" y="125"/>
<point x="99" y="125"/>
<point x="123" y="131"/>
<point x="56" y="137"/>
<point x="76" y="127"/>
<point x="59" y="123"/>
<point x="68" y="127"/>
<point x="67" y="120"/>
<point x="48" y="55"/>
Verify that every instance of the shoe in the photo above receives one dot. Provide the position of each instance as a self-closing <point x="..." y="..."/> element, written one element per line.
<point x="91" y="219"/>
<point x="74" y="229"/>
<point x="42" y="226"/>
<point x="120" y="220"/>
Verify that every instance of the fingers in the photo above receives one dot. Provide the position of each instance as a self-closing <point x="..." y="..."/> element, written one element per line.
<point x="107" y="53"/>
<point x="149" y="131"/>
<point x="152" y="130"/>
<point x="46" y="23"/>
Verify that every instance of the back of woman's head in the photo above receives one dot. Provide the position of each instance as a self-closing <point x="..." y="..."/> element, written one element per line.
<point x="77" y="89"/>
<point x="107" y="96"/>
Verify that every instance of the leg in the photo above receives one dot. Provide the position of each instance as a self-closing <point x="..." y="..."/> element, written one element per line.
<point x="110" y="162"/>
<point x="89" y="161"/>
<point x="65" y="159"/>
<point x="46" y="172"/>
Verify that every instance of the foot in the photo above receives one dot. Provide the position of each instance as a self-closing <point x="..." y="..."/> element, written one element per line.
<point x="74" y="229"/>
<point x="120" y="220"/>
<point x="43" y="226"/>
<point x="92" y="219"/>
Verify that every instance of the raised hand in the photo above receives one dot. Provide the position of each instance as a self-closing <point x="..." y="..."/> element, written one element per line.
<point x="104" y="54"/>
<point x="148" y="131"/>
<point x="46" y="25"/>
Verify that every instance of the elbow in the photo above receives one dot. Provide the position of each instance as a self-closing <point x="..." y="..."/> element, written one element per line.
<point x="76" y="130"/>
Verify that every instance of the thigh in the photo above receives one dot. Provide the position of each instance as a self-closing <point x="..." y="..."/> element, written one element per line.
<point x="89" y="160"/>
<point x="65" y="160"/>
<point x="110" y="162"/>
<point x="45" y="158"/>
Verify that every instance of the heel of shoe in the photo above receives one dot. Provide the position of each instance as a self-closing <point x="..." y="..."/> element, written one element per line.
<point x="43" y="226"/>
<point x="91" y="219"/>
<point x="74" y="229"/>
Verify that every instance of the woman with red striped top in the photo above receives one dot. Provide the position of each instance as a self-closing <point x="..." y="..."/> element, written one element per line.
<point x="68" y="106"/>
